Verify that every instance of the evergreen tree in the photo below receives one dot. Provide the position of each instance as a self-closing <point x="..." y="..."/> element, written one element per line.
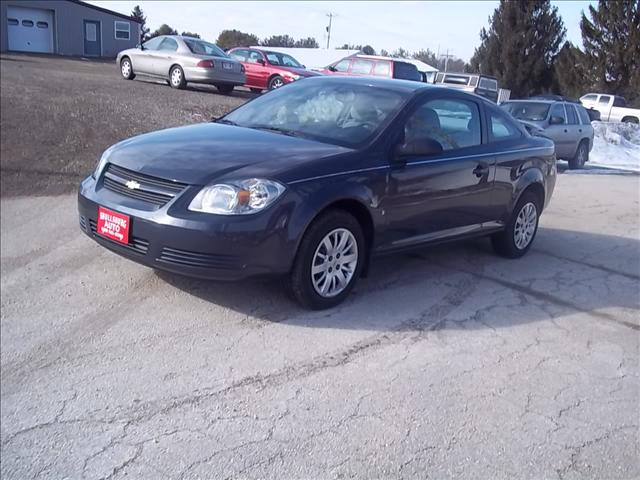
<point x="308" y="42"/>
<point x="570" y="72"/>
<point x="521" y="45"/>
<point x="163" y="29"/>
<point x="235" y="38"/>
<point x="612" y="47"/>
<point x="278" y="41"/>
<point x="190" y="34"/>
<point x="426" y="56"/>
<point x="139" y="15"/>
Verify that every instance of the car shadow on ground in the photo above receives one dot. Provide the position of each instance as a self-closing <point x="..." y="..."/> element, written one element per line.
<point x="419" y="290"/>
<point x="198" y="87"/>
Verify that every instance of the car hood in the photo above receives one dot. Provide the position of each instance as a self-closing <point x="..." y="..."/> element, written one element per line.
<point x="199" y="154"/>
<point x="301" y="71"/>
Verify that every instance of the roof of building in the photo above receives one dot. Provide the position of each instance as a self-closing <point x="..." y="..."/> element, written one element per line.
<point x="105" y="10"/>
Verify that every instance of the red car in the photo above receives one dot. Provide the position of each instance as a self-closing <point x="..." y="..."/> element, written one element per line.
<point x="266" y="69"/>
<point x="372" y="65"/>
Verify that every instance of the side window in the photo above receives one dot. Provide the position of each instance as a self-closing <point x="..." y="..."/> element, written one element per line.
<point x="343" y="65"/>
<point x="584" y="116"/>
<point x="590" y="98"/>
<point x="254" y="56"/>
<point x="604" y="99"/>
<point x="571" y="114"/>
<point x="153" y="44"/>
<point x="501" y="128"/>
<point x="451" y="122"/>
<point x="489" y="84"/>
<point x="122" y="30"/>
<point x="619" y="102"/>
<point x="382" y="68"/>
<point x="240" y="55"/>
<point x="361" y="66"/>
<point x="169" y="44"/>
<point x="558" y="111"/>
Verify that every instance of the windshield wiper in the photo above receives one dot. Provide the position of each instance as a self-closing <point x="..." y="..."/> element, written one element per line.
<point x="283" y="131"/>
<point x="225" y="121"/>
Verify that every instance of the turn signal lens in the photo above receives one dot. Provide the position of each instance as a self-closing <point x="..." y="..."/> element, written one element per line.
<point x="206" y="64"/>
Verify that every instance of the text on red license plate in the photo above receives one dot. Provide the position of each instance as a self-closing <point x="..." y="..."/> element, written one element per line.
<point x="113" y="225"/>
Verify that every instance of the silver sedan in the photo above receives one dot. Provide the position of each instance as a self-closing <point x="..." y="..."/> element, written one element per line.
<point x="180" y="60"/>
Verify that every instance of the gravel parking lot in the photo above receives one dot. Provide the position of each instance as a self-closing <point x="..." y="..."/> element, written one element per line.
<point x="445" y="363"/>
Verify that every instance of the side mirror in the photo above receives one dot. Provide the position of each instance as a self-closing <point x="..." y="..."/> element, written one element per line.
<point x="331" y="68"/>
<point x="423" y="147"/>
<point x="261" y="61"/>
<point x="556" y="121"/>
<point x="303" y="66"/>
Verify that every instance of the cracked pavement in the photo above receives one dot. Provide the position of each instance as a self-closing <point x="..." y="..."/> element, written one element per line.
<point x="447" y="362"/>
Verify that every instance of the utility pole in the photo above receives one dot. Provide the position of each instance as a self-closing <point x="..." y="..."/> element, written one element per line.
<point x="330" y="15"/>
<point x="446" y="59"/>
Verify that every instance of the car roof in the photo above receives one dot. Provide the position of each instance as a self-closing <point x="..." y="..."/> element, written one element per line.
<point x="379" y="57"/>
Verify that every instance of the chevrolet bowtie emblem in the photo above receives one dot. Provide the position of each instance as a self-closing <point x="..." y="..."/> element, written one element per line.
<point x="132" y="185"/>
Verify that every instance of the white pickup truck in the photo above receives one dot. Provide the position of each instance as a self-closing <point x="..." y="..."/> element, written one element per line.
<point x="612" y="108"/>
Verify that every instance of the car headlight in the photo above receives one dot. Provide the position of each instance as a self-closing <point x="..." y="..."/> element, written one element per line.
<point x="237" y="198"/>
<point x="292" y="76"/>
<point x="101" y="164"/>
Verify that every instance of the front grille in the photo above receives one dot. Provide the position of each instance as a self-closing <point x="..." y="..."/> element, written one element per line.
<point x="153" y="190"/>
<point x="136" y="245"/>
<point x="194" y="259"/>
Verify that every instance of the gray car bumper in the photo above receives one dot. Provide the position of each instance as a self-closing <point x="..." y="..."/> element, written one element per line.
<point x="213" y="75"/>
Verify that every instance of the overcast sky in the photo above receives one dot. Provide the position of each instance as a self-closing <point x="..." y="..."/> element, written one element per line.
<point x="438" y="25"/>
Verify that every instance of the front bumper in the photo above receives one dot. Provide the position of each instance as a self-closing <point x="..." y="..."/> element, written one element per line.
<point x="194" y="244"/>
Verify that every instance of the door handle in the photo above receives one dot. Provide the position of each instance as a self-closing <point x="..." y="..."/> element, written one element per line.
<point x="566" y="131"/>
<point x="579" y="130"/>
<point x="481" y="170"/>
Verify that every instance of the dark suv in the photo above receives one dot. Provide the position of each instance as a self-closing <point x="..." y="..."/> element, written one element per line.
<point x="367" y="65"/>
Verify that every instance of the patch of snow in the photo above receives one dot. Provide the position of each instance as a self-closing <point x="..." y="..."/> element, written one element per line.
<point x="616" y="145"/>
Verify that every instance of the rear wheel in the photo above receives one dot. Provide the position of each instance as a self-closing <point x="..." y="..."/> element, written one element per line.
<point x="516" y="239"/>
<point x="276" y="82"/>
<point x="329" y="261"/>
<point x="226" y="89"/>
<point x="581" y="157"/>
<point x="176" y="77"/>
<point x="126" y="69"/>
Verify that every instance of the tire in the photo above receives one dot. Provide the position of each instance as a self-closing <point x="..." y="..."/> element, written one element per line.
<point x="581" y="157"/>
<point x="225" y="89"/>
<point x="313" y="254"/>
<point x="176" y="77"/>
<point x="630" y="120"/>
<point x="509" y="243"/>
<point x="256" y="90"/>
<point x="276" y="82"/>
<point x="126" y="69"/>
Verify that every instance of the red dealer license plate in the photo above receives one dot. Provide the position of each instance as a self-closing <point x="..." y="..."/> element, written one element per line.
<point x="113" y="225"/>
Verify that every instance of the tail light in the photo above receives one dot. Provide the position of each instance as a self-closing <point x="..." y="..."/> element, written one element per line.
<point x="206" y="63"/>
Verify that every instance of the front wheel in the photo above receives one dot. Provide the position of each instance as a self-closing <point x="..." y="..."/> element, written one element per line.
<point x="126" y="69"/>
<point x="176" y="78"/>
<point x="329" y="261"/>
<point x="516" y="239"/>
<point x="225" y="89"/>
<point x="276" y="82"/>
<point x="581" y="157"/>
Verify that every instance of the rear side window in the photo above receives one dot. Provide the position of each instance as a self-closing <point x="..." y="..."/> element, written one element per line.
<point x="169" y="44"/>
<point x="604" y="99"/>
<point x="452" y="123"/>
<point x="572" y="117"/>
<point x="558" y="111"/>
<point x="406" y="71"/>
<point x="382" y="68"/>
<point x="502" y="128"/>
<point x="584" y="116"/>
<point x="342" y="65"/>
<point x="619" y="102"/>
<point x="361" y="66"/>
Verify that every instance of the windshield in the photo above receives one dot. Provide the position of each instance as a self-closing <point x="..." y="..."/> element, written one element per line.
<point x="200" y="47"/>
<point x="342" y="114"/>
<point x="282" y="60"/>
<point x="532" y="111"/>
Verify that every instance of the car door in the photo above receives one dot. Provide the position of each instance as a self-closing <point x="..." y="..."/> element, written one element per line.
<point x="575" y="129"/>
<point x="559" y="133"/>
<point x="240" y="54"/>
<point x="256" y="70"/>
<point x="165" y="57"/>
<point x="142" y="61"/>
<point x="444" y="194"/>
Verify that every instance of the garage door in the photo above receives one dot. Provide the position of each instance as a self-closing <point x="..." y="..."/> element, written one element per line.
<point x="30" y="29"/>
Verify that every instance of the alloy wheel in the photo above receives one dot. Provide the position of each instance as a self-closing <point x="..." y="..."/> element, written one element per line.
<point x="126" y="68"/>
<point x="525" y="226"/>
<point x="276" y="83"/>
<point x="176" y="77"/>
<point x="334" y="262"/>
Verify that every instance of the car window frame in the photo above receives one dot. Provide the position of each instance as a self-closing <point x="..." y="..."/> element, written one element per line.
<point x="260" y="54"/>
<point x="508" y="120"/>
<point x="372" y="64"/>
<point x="387" y="63"/>
<point x="564" y="112"/>
<point x="159" y="40"/>
<point x="580" y="110"/>
<point x="235" y="52"/>
<point x="168" y="39"/>
<point x="421" y="100"/>
<point x="600" y="102"/>
<point x="348" y="70"/>
<point x="569" y="107"/>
